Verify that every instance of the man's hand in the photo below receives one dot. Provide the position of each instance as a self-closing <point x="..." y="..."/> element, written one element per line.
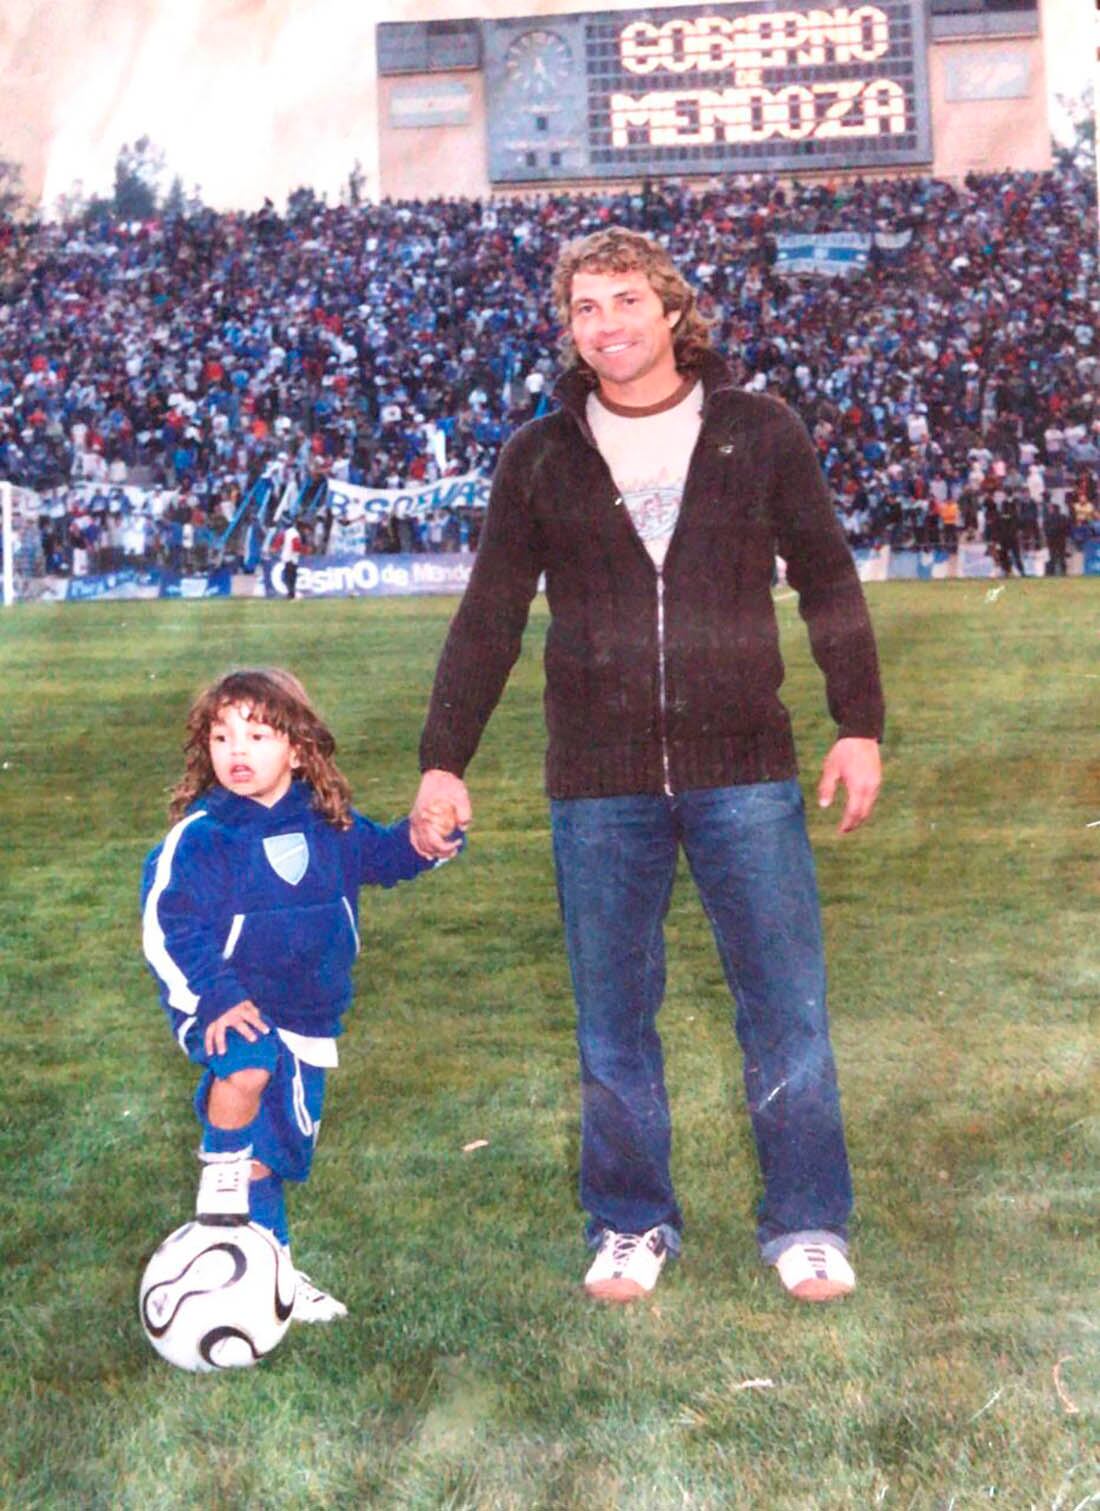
<point x="246" y="1018"/>
<point x="442" y="805"/>
<point x="857" y="764"/>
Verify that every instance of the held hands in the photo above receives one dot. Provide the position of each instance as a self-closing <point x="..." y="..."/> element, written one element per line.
<point x="442" y="805"/>
<point x="855" y="763"/>
<point x="245" y="1017"/>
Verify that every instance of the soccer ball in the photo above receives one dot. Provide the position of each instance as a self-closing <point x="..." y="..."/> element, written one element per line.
<point x="217" y="1297"/>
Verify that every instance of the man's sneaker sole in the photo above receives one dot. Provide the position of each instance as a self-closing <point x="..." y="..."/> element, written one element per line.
<point x="616" y="1288"/>
<point x="820" y="1290"/>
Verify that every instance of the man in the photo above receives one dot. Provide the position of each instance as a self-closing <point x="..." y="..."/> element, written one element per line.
<point x="1005" y="533"/>
<point x="1056" y="527"/>
<point x="290" y="549"/>
<point x="655" y="501"/>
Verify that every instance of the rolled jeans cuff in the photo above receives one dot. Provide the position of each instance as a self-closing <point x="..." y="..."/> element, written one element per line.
<point x="771" y="1251"/>
<point x="672" y="1236"/>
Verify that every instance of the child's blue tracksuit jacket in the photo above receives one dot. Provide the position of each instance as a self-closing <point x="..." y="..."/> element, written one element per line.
<point x="244" y="901"/>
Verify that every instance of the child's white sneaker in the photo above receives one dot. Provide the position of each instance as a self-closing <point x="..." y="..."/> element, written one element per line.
<point x="626" y="1265"/>
<point x="312" y="1304"/>
<point x="815" y="1272"/>
<point x="223" y="1188"/>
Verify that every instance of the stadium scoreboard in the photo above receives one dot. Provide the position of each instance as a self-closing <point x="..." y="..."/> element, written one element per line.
<point x="755" y="86"/>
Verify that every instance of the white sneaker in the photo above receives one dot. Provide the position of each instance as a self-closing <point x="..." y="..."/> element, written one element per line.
<point x="815" y="1272"/>
<point x="223" y="1189"/>
<point x="626" y="1265"/>
<point x="311" y="1304"/>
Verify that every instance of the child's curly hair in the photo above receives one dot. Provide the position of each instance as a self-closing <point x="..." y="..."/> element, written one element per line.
<point x="276" y="697"/>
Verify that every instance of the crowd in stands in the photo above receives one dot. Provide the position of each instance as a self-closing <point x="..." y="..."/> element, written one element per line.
<point x="104" y="530"/>
<point x="952" y="390"/>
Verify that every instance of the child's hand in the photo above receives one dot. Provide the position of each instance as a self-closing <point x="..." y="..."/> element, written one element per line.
<point x="245" y="1017"/>
<point x="443" y="817"/>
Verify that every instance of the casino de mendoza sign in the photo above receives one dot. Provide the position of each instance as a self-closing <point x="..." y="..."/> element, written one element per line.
<point x="757" y="86"/>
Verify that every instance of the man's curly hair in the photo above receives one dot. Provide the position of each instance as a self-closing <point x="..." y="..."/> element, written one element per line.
<point x="619" y="250"/>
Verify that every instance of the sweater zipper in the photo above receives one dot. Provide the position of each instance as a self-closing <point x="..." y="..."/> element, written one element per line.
<point x="662" y="705"/>
<point x="662" y="711"/>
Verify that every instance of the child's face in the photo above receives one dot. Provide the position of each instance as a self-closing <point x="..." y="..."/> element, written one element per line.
<point x="249" y="757"/>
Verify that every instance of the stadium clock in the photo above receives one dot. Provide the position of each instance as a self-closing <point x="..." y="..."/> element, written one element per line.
<point x="538" y="64"/>
<point x="537" y="121"/>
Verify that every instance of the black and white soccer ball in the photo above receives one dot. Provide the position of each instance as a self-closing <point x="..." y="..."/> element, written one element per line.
<point x="217" y="1297"/>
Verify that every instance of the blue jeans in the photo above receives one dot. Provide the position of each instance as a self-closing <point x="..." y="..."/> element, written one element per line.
<point x="750" y="858"/>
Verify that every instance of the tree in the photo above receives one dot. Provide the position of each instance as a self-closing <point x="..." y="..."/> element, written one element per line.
<point x="72" y="205"/>
<point x="11" y="189"/>
<point x="179" y="202"/>
<point x="139" y="170"/>
<point x="1079" y="143"/>
<point x="302" y="204"/>
<point x="352" y="193"/>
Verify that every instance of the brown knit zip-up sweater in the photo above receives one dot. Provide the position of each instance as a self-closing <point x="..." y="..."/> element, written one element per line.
<point x="630" y="709"/>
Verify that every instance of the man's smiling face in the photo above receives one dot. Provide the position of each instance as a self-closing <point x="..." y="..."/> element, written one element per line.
<point x="620" y="328"/>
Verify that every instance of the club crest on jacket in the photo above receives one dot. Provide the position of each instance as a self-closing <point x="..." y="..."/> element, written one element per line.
<point x="288" y="856"/>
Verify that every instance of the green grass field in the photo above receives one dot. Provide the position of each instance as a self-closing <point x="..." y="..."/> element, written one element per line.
<point x="964" y="941"/>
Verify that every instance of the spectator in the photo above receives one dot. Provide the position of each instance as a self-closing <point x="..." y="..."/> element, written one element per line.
<point x="1005" y="534"/>
<point x="1056" y="530"/>
<point x="289" y="548"/>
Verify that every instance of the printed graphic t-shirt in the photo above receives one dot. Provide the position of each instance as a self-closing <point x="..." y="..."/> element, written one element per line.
<point x="648" y="451"/>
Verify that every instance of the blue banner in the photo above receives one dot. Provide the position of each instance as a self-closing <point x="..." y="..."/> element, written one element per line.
<point x="128" y="582"/>
<point x="823" y="253"/>
<point x="1091" y="554"/>
<point x="349" y="576"/>
<point x="832" y="253"/>
<point x="141" y="582"/>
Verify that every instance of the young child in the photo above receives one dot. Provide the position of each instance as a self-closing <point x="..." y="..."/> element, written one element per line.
<point x="250" y="925"/>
